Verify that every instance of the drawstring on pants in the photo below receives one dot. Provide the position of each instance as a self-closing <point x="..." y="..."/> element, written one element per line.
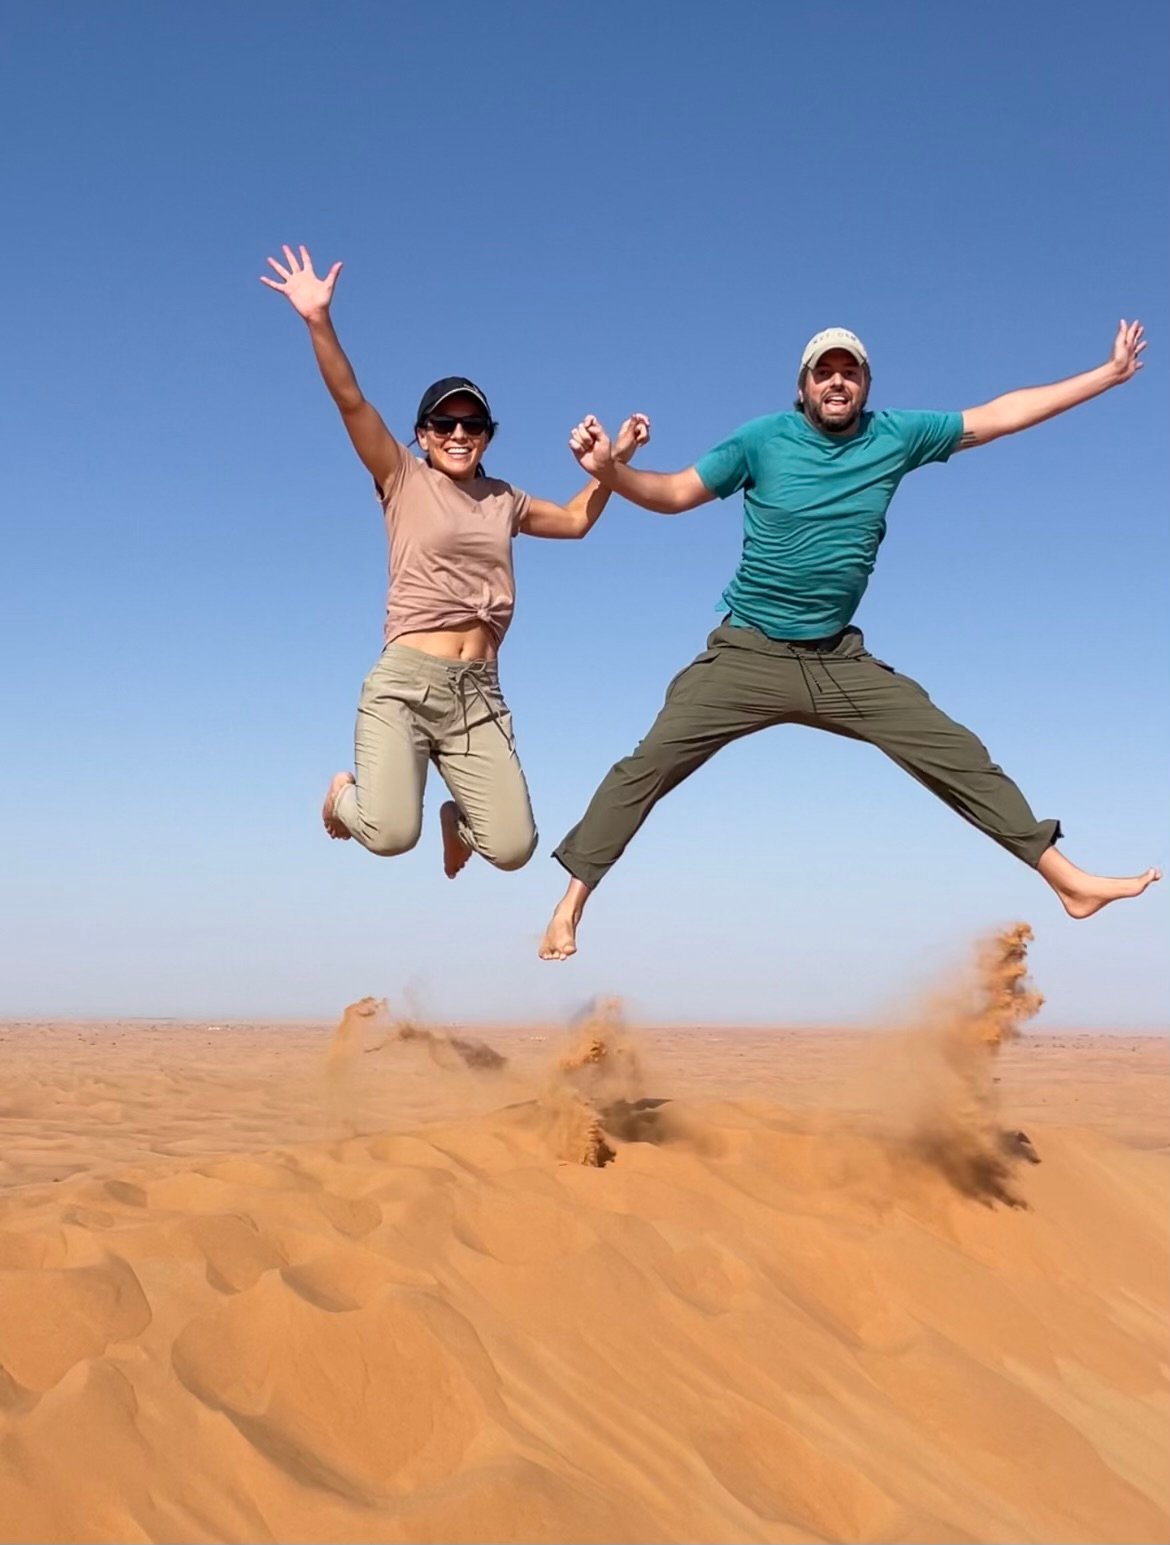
<point x="799" y="653"/>
<point x="459" y="677"/>
<point x="841" y="689"/>
<point x="808" y="681"/>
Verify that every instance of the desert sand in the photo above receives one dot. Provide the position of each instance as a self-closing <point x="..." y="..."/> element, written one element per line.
<point x="379" y="1281"/>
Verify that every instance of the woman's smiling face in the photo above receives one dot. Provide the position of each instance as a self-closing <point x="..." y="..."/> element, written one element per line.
<point x="454" y="435"/>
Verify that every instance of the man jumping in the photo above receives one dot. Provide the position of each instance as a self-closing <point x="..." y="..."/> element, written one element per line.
<point x="817" y="484"/>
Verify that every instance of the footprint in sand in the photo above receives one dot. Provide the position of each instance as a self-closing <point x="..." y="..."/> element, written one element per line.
<point x="236" y="1252"/>
<point x="283" y="1369"/>
<point x="52" y="1320"/>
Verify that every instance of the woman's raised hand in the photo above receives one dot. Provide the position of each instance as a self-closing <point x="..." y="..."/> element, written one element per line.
<point x="308" y="295"/>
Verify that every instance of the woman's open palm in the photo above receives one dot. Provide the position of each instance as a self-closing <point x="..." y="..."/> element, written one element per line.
<point x="308" y="295"/>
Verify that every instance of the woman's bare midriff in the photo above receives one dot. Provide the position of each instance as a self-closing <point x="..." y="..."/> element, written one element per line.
<point x="469" y="641"/>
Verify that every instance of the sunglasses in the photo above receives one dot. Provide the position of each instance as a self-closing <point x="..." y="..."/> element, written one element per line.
<point x="474" y="424"/>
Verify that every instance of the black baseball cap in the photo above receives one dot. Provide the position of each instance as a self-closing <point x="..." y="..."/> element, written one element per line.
<point x="450" y="386"/>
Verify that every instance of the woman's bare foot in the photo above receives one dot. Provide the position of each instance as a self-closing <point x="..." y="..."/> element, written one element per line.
<point x="560" y="937"/>
<point x="332" y="825"/>
<point x="1083" y="894"/>
<point x="455" y="850"/>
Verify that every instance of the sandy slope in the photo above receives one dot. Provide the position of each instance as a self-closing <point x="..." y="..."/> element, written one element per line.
<point x="764" y="1320"/>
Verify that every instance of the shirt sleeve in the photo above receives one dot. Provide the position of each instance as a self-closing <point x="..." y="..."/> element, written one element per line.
<point x="928" y="437"/>
<point x="520" y="503"/>
<point x="725" y="469"/>
<point x="388" y="493"/>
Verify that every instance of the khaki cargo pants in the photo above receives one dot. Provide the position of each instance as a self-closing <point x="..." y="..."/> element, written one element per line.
<point x="416" y="709"/>
<point x="743" y="682"/>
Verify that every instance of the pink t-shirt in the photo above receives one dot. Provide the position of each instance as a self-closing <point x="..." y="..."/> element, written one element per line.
<point x="450" y="549"/>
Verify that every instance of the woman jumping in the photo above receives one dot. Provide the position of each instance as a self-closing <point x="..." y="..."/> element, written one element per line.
<point x="434" y="693"/>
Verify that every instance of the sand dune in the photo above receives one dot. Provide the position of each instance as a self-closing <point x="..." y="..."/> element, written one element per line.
<point x="266" y="1285"/>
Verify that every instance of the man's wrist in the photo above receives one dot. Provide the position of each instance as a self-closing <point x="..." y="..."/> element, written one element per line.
<point x="1111" y="373"/>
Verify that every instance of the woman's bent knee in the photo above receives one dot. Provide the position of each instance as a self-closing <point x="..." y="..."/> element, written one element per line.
<point x="389" y="841"/>
<point x="513" y="855"/>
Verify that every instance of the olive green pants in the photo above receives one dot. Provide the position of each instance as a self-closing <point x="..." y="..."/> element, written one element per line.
<point x="743" y="682"/>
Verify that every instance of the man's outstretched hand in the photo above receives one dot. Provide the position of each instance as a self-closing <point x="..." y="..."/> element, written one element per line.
<point x="1127" y="350"/>
<point x="308" y="295"/>
<point x="635" y="431"/>
<point x="595" y="451"/>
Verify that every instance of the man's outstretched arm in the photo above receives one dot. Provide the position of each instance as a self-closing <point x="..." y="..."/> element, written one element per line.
<point x="666" y="493"/>
<point x="1033" y="404"/>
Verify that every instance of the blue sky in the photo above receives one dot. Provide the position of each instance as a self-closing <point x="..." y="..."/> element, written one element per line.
<point x="624" y="207"/>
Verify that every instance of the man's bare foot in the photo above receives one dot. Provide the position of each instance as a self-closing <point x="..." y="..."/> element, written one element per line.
<point x="332" y="825"/>
<point x="1083" y="894"/>
<point x="560" y="937"/>
<point x="1100" y="890"/>
<point x="455" y="850"/>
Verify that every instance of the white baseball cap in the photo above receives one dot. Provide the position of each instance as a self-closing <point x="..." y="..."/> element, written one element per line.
<point x="833" y="338"/>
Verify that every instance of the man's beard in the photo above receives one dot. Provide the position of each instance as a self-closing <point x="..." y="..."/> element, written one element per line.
<point x="837" y="426"/>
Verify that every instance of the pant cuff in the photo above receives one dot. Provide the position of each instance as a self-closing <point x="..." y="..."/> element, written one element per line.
<point x="345" y="810"/>
<point x="588" y="874"/>
<point x="1048" y="833"/>
<point x="466" y="835"/>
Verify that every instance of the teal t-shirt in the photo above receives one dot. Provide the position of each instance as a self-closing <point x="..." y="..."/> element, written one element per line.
<point x="814" y="511"/>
